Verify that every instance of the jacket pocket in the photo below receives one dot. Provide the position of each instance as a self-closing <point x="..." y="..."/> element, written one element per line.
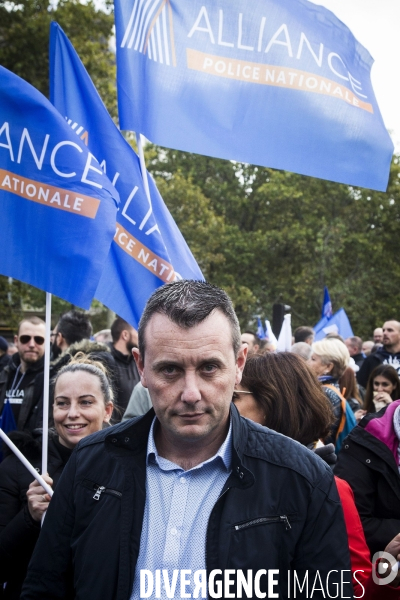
<point x="263" y="521"/>
<point x="99" y="489"/>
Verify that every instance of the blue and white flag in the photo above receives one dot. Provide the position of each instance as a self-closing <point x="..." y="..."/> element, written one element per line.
<point x="260" y="330"/>
<point x="337" y="323"/>
<point x="326" y="305"/>
<point x="58" y="209"/>
<point x="148" y="249"/>
<point x="278" y="83"/>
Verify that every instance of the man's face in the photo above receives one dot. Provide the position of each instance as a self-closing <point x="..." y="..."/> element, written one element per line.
<point x="248" y="338"/>
<point x="30" y="350"/>
<point x="191" y="375"/>
<point x="378" y="335"/>
<point x="352" y="350"/>
<point x="391" y="334"/>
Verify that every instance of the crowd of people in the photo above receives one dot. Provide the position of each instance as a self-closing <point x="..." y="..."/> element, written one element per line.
<point x="308" y="481"/>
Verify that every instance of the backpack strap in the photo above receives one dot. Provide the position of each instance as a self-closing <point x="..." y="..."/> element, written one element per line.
<point x="343" y="404"/>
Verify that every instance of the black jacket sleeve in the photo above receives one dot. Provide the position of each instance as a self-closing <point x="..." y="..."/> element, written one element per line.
<point x="379" y="531"/>
<point x="366" y="369"/>
<point x="324" y="541"/>
<point x="18" y="531"/>
<point x="49" y="574"/>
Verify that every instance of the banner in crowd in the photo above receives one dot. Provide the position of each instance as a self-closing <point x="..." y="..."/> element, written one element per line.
<point x="148" y="249"/>
<point x="337" y="323"/>
<point x="278" y="83"/>
<point x="58" y="209"/>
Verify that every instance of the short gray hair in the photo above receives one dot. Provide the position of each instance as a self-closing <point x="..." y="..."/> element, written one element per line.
<point x="188" y="303"/>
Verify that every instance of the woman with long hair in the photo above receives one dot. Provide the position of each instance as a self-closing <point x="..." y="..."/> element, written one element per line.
<point x="382" y="388"/>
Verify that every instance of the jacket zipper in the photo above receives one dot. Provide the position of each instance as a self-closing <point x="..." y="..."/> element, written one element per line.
<point x="98" y="493"/>
<point x="100" y="489"/>
<point x="261" y="520"/>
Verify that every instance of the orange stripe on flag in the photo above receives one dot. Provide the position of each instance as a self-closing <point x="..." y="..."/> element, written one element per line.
<point x="152" y="262"/>
<point x="272" y="75"/>
<point x="49" y="195"/>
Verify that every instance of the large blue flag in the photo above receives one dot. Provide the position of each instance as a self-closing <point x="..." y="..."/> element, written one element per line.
<point x="148" y="249"/>
<point x="279" y="83"/>
<point x="337" y="323"/>
<point x="58" y="209"/>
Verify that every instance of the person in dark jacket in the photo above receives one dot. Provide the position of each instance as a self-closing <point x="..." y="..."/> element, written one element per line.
<point x="354" y="346"/>
<point x="191" y="484"/>
<point x="369" y="462"/>
<point x="4" y="356"/>
<point x="82" y="405"/>
<point x="125" y="338"/>
<point x="21" y="381"/>
<point x="388" y="355"/>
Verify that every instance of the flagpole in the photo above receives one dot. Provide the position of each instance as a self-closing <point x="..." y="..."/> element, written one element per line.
<point x="26" y="463"/>
<point x="45" y="437"/>
<point x="145" y="179"/>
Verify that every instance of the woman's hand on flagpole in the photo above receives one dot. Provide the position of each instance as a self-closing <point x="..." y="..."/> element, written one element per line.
<point x="38" y="498"/>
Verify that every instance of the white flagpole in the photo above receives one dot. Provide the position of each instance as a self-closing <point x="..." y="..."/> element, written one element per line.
<point x="26" y="463"/>
<point x="45" y="439"/>
<point x="145" y="179"/>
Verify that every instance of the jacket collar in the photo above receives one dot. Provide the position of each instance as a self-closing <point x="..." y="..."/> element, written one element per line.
<point x="132" y="436"/>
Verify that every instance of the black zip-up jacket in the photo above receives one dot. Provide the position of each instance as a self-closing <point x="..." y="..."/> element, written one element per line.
<point x="31" y="413"/>
<point x="128" y="377"/>
<point x="367" y="463"/>
<point x="18" y="531"/>
<point x="279" y="509"/>
<point x="379" y="357"/>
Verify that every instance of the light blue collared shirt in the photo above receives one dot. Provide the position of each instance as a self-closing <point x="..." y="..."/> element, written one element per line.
<point x="177" y="510"/>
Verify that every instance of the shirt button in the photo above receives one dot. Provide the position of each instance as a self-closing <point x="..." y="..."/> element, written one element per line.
<point x="182" y="479"/>
<point x="173" y="531"/>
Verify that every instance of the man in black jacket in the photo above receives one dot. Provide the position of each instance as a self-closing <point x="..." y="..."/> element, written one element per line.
<point x="21" y="381"/>
<point x="125" y="338"/>
<point x="388" y="355"/>
<point x="191" y="485"/>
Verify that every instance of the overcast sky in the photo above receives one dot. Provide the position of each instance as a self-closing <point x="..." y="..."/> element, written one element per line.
<point x="376" y="24"/>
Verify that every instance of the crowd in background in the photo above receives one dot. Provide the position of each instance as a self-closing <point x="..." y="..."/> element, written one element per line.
<point x="340" y="398"/>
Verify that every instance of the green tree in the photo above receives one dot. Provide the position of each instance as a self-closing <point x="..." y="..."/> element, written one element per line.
<point x="24" y="42"/>
<point x="284" y="236"/>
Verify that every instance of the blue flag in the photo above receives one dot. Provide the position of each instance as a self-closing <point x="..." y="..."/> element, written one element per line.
<point x="279" y="83"/>
<point x="148" y="249"/>
<point x="326" y="305"/>
<point x="338" y="323"/>
<point x="58" y="209"/>
<point x="260" y="330"/>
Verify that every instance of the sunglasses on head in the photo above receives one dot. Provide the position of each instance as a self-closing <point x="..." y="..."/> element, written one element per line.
<point x="25" y="339"/>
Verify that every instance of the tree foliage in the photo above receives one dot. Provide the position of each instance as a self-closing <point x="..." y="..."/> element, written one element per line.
<point x="24" y="41"/>
<point x="282" y="237"/>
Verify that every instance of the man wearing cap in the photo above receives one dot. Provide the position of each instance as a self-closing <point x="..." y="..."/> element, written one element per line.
<point x="191" y="490"/>
<point x="21" y="381"/>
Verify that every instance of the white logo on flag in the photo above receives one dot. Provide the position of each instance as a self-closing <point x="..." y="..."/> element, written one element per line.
<point x="79" y="130"/>
<point x="150" y="31"/>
